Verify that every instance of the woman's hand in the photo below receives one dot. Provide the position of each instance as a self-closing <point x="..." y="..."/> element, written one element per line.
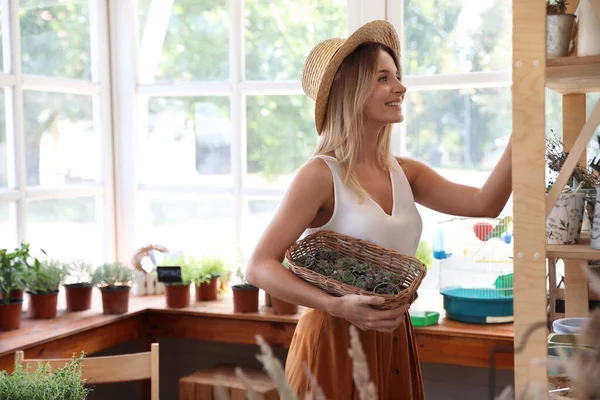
<point x="357" y="310"/>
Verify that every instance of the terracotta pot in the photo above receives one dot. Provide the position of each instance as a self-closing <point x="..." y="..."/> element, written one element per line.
<point x="43" y="305"/>
<point x="115" y="300"/>
<point x="10" y="315"/>
<point x="207" y="291"/>
<point x="268" y="301"/>
<point x="245" y="298"/>
<point x="14" y="294"/>
<point x="79" y="297"/>
<point x="177" y="296"/>
<point x="281" y="307"/>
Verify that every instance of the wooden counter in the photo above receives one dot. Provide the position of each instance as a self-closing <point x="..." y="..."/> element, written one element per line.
<point x="448" y="342"/>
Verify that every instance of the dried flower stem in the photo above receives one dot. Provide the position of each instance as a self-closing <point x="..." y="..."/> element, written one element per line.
<point x="251" y="394"/>
<point x="360" y="367"/>
<point x="275" y="370"/>
<point x="316" y="392"/>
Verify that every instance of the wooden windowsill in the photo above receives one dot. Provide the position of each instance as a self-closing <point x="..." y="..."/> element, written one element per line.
<point x="448" y="342"/>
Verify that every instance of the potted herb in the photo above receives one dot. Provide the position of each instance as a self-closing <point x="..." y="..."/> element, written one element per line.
<point x="211" y="268"/>
<point x="64" y="383"/>
<point x="177" y="295"/>
<point x="281" y="307"/>
<point x="245" y="295"/>
<point x="114" y="281"/>
<point x="78" y="291"/>
<point x="43" y="288"/>
<point x="15" y="273"/>
<point x="559" y="29"/>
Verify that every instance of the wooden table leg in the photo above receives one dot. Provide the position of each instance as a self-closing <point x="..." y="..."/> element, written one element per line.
<point x="576" y="289"/>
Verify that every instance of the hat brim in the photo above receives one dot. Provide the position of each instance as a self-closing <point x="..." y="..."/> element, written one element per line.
<point x="377" y="31"/>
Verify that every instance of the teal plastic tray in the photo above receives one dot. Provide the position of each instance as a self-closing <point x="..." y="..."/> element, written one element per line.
<point x="478" y="305"/>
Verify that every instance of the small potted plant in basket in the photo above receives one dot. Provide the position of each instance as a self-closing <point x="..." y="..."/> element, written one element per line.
<point x="211" y="268"/>
<point x="43" y="289"/>
<point x="245" y="295"/>
<point x="15" y="274"/>
<point x="177" y="294"/>
<point x="114" y="281"/>
<point x="78" y="291"/>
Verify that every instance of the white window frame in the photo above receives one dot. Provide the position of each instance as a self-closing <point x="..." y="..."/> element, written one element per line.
<point x="127" y="101"/>
<point x="15" y="82"/>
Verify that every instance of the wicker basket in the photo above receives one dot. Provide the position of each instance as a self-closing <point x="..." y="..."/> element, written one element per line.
<point x="411" y="270"/>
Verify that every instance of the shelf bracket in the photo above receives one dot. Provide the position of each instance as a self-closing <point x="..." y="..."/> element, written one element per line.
<point x="574" y="154"/>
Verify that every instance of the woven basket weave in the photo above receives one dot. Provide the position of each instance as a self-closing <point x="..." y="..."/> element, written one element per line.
<point x="410" y="270"/>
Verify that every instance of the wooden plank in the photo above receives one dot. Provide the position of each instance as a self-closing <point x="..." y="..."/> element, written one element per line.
<point x="464" y="351"/>
<point x="576" y="289"/>
<point x="91" y="341"/>
<point x="570" y="75"/>
<point x="528" y="166"/>
<point x="574" y="154"/>
<point x="222" y="330"/>
<point x="573" y="120"/>
<point x="580" y="251"/>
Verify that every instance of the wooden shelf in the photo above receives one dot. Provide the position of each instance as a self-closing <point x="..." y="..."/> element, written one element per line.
<point x="568" y="75"/>
<point x="581" y="251"/>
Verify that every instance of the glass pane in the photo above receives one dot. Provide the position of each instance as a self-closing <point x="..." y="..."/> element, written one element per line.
<point x="188" y="141"/>
<point x="459" y="130"/>
<point x="62" y="147"/>
<point x="281" y="137"/>
<point x="279" y="35"/>
<point x="1" y="46"/>
<point x="186" y="42"/>
<point x="8" y="226"/>
<point x="67" y="228"/>
<point x="258" y="214"/>
<point x="55" y="38"/>
<point x="449" y="36"/>
<point x="3" y="145"/>
<point x="195" y="226"/>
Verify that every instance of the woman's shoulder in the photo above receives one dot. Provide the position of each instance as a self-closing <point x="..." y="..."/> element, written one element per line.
<point x="315" y="173"/>
<point x="410" y="167"/>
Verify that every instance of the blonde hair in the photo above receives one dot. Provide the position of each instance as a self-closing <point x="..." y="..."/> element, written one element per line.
<point x="351" y="87"/>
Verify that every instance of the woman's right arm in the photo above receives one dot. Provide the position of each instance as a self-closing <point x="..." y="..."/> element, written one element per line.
<point x="307" y="194"/>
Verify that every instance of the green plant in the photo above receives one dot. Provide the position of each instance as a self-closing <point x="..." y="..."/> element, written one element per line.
<point x="81" y="273"/>
<point x="47" y="276"/>
<point x="425" y="253"/>
<point x="210" y="267"/>
<point x="556" y="7"/>
<point x="243" y="284"/>
<point x="351" y="272"/>
<point x="15" y="270"/>
<point x="111" y="275"/>
<point x="65" y="383"/>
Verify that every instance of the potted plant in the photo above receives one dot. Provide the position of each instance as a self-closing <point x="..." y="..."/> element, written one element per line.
<point x="177" y="295"/>
<point x="15" y="273"/>
<point x="559" y="29"/>
<point x="78" y="291"/>
<point x="64" y="383"/>
<point x="245" y="295"/>
<point x="211" y="268"/>
<point x="114" y="281"/>
<point x="563" y="225"/>
<point x="44" y="286"/>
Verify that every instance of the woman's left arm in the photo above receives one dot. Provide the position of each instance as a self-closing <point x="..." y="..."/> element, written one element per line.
<point x="436" y="192"/>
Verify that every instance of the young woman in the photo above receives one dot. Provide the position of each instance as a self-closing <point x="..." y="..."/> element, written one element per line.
<point x="353" y="185"/>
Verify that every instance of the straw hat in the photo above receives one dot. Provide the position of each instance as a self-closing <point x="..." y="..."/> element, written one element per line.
<point x="324" y="60"/>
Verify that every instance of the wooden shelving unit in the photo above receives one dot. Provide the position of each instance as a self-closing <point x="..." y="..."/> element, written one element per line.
<point x="572" y="77"/>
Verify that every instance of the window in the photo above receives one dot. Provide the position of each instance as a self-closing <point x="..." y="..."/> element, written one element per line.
<point x="456" y="61"/>
<point x="222" y="119"/>
<point x="56" y="191"/>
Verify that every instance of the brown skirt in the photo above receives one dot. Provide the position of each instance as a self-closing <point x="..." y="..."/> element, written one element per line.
<point x="322" y="341"/>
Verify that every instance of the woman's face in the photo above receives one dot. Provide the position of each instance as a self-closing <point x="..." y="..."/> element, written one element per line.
<point x="384" y="105"/>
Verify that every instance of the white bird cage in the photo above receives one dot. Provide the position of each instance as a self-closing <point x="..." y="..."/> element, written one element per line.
<point x="476" y="269"/>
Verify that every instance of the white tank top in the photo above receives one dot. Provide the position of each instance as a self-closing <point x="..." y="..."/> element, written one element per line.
<point x="366" y="220"/>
